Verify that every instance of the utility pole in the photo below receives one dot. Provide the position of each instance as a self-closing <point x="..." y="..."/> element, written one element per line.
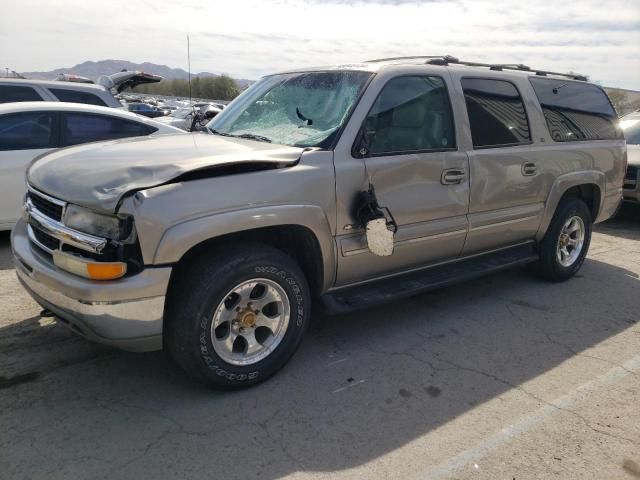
<point x="189" y="64"/>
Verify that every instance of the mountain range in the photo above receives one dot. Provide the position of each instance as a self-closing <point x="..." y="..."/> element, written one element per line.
<point x="93" y="70"/>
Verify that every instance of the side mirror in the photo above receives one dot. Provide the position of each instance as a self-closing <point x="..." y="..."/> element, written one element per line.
<point x="209" y="114"/>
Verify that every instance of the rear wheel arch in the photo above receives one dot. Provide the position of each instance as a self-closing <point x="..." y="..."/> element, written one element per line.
<point x="587" y="186"/>
<point x="589" y="193"/>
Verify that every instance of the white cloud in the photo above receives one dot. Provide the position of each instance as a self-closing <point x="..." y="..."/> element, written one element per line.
<point x="248" y="38"/>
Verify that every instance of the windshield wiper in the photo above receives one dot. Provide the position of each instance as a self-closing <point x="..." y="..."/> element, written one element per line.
<point x="249" y="136"/>
<point x="216" y="132"/>
<point x="252" y="136"/>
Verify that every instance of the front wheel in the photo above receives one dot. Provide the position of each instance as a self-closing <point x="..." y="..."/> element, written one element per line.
<point x="567" y="240"/>
<point x="235" y="319"/>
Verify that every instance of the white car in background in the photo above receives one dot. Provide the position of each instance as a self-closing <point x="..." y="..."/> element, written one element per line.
<point x="180" y="118"/>
<point x="183" y="117"/>
<point x="30" y="129"/>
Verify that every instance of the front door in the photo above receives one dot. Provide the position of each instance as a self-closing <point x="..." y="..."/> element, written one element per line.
<point x="411" y="159"/>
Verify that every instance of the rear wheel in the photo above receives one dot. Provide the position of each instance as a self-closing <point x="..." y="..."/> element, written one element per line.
<point x="567" y="240"/>
<point x="236" y="319"/>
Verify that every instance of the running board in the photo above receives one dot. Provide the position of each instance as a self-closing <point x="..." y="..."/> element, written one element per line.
<point x="406" y="285"/>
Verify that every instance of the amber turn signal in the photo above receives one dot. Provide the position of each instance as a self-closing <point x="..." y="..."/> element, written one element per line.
<point x="106" y="271"/>
<point x="89" y="269"/>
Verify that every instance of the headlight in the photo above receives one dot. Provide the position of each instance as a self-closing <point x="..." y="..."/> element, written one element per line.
<point x="88" y="221"/>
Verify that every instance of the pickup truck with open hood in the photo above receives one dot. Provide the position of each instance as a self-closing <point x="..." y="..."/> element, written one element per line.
<point x="350" y="185"/>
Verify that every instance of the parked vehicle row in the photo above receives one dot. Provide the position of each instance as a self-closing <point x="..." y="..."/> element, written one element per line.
<point x="352" y="185"/>
<point x="74" y="89"/>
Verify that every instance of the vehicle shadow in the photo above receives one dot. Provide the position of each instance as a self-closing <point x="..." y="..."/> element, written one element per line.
<point x="361" y="385"/>
<point x="625" y="224"/>
<point x="6" y="259"/>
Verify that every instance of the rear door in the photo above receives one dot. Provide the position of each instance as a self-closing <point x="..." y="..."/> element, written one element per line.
<point x="418" y="173"/>
<point x="23" y="137"/>
<point x="508" y="180"/>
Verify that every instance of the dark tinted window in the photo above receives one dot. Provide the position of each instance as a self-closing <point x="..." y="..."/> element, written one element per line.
<point x="17" y="93"/>
<point x="83" y="128"/>
<point x="24" y="131"/>
<point x="496" y="113"/>
<point x="74" y="96"/>
<point x="410" y="114"/>
<point x="576" y="111"/>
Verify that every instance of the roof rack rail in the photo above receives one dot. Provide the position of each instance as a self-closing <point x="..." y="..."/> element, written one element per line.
<point x="449" y="59"/>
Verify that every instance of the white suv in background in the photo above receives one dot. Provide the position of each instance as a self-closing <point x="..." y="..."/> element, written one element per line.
<point x="24" y="90"/>
<point x="30" y="129"/>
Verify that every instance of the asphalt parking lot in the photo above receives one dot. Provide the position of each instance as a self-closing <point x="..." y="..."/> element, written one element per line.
<point x="505" y="377"/>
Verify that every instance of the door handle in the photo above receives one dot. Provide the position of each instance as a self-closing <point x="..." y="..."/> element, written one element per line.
<point x="529" y="169"/>
<point x="453" y="176"/>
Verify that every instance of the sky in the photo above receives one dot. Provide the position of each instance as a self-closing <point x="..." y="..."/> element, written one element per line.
<point x="251" y="38"/>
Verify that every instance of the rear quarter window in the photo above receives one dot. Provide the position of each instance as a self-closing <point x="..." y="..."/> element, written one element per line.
<point x="18" y="93"/>
<point x="82" y="128"/>
<point x="74" y="96"/>
<point x="576" y="111"/>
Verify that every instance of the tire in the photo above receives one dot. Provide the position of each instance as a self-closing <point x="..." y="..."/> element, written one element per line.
<point x="205" y="294"/>
<point x="551" y="265"/>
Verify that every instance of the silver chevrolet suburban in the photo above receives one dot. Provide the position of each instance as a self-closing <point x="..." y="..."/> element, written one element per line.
<point x="351" y="185"/>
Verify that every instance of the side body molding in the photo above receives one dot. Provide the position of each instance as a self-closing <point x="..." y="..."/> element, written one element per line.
<point x="181" y="237"/>
<point x="564" y="183"/>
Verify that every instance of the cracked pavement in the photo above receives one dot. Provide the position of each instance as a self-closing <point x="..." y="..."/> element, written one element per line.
<point x="503" y="377"/>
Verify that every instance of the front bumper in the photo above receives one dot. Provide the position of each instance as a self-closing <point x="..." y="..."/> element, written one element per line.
<point x="126" y="313"/>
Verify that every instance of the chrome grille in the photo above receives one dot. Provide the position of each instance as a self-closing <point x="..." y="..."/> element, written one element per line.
<point x="46" y="206"/>
<point x="47" y="231"/>
<point x="44" y="241"/>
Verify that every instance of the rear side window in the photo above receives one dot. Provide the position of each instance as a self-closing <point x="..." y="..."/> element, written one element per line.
<point x="497" y="116"/>
<point x="82" y="128"/>
<point x="576" y="111"/>
<point x="74" y="96"/>
<point x="26" y="131"/>
<point x="18" y="93"/>
<point x="411" y="114"/>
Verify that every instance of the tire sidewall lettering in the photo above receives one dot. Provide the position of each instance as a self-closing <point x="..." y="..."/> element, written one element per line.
<point x="207" y="355"/>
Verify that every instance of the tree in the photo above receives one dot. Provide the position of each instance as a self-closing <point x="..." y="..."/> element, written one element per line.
<point x="212" y="88"/>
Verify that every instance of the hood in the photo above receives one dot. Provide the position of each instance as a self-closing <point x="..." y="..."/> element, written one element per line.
<point x="97" y="175"/>
<point x="126" y="79"/>
<point x="633" y="155"/>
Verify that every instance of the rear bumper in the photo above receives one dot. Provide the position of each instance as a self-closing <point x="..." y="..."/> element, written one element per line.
<point x="126" y="313"/>
<point x="610" y="205"/>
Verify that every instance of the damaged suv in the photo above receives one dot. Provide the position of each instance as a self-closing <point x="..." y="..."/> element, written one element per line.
<point x="352" y="185"/>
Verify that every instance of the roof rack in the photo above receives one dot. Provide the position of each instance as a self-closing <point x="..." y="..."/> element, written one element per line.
<point x="449" y="59"/>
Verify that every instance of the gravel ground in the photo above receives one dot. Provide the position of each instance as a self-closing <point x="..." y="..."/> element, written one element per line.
<point x="506" y="377"/>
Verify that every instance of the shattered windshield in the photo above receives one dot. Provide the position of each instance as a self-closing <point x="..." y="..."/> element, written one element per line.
<point x="298" y="109"/>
